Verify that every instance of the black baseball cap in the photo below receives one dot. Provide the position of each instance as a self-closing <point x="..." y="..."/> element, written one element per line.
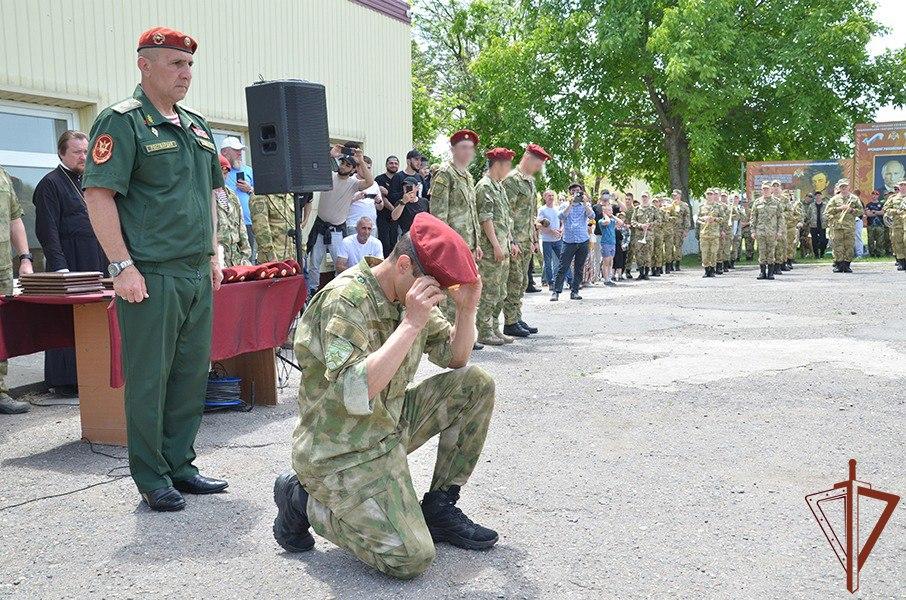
<point x="413" y="154"/>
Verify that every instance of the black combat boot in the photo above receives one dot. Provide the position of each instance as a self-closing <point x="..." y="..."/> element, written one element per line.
<point x="643" y="272"/>
<point x="628" y="274"/>
<point x="784" y="266"/>
<point x="447" y="523"/>
<point x="291" y="525"/>
<point x="777" y="269"/>
<point x="656" y="272"/>
<point x="846" y="268"/>
<point x="711" y="272"/>
<point x="901" y="264"/>
<point x="676" y="266"/>
<point x="514" y="330"/>
<point x="764" y="272"/>
<point x="789" y="264"/>
<point x="720" y="268"/>
<point x="668" y="267"/>
<point x="732" y="264"/>
<point x="770" y="271"/>
<point x="707" y="272"/>
<point x="837" y="267"/>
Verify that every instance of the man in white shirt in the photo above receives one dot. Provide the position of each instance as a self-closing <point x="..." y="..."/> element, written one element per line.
<point x="357" y="246"/>
<point x="365" y="204"/>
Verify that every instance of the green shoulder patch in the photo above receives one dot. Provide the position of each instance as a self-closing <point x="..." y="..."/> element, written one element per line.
<point x="337" y="353"/>
<point x="126" y="105"/>
<point x="355" y="292"/>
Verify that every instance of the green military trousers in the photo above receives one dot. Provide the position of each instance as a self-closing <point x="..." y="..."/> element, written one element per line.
<point x="6" y="288"/>
<point x="381" y="521"/>
<point x="792" y="236"/>
<point x="166" y="353"/>
<point x="494" y="277"/>
<point x="767" y="245"/>
<point x="657" y="253"/>
<point x="643" y="251"/>
<point x="843" y="243"/>
<point x="709" y="248"/>
<point x="516" y="284"/>
<point x="898" y="240"/>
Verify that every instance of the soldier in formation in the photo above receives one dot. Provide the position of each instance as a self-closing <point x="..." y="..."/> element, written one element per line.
<point x="768" y="229"/>
<point x="709" y="224"/>
<point x="841" y="213"/>
<point x="895" y="214"/>
<point x="643" y="220"/>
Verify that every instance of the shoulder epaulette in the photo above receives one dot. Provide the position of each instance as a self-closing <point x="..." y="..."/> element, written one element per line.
<point x="189" y="109"/>
<point x="354" y="292"/>
<point x="126" y="105"/>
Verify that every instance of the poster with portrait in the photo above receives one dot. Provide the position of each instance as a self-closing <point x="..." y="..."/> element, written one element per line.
<point x="802" y="177"/>
<point x="880" y="158"/>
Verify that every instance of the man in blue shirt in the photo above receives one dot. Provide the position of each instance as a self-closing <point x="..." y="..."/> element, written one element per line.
<point x="575" y="216"/>
<point x="240" y="180"/>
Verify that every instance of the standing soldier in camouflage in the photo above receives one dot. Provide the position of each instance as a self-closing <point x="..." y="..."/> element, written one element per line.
<point x="683" y="224"/>
<point x="274" y="224"/>
<point x="736" y="214"/>
<point x="895" y="212"/>
<point x="657" y="231"/>
<point x="746" y="244"/>
<point x="643" y="219"/>
<point x="841" y="213"/>
<point x="12" y="237"/>
<point x="359" y="417"/>
<point x="496" y="243"/>
<point x="453" y="197"/>
<point x="520" y="189"/>
<point x="631" y="205"/>
<point x="768" y="229"/>
<point x="671" y="223"/>
<point x="232" y="238"/>
<point x="794" y="218"/>
<point x="726" y="233"/>
<point x="709" y="219"/>
<point x="780" y="248"/>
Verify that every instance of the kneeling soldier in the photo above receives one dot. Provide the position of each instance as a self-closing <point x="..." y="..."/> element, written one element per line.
<point x="359" y="350"/>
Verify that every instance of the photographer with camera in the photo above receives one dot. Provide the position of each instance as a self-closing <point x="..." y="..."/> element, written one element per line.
<point x="575" y="218"/>
<point x="329" y="228"/>
<point x="412" y="203"/>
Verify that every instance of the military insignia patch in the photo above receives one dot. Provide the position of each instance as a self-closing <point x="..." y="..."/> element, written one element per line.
<point x="200" y="132"/>
<point x="103" y="149"/>
<point x="158" y="38"/>
<point x="337" y="354"/>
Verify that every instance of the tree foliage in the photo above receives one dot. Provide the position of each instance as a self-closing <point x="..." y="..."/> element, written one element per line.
<point x="672" y="91"/>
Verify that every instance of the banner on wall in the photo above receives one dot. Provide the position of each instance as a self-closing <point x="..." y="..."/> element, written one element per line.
<point x="800" y="176"/>
<point x="880" y="159"/>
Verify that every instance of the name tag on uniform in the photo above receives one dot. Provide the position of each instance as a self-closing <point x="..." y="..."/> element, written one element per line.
<point x="158" y="146"/>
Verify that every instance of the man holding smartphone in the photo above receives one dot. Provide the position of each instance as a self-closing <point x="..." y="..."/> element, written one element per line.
<point x="412" y="203"/>
<point x="240" y="180"/>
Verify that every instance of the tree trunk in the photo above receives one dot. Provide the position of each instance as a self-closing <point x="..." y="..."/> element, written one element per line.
<point x="677" y="145"/>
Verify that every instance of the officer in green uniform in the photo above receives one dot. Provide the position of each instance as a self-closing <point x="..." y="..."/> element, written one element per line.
<point x="359" y="416"/>
<point x="149" y="181"/>
<point x="496" y="241"/>
<point x="520" y="189"/>
<point x="12" y="237"/>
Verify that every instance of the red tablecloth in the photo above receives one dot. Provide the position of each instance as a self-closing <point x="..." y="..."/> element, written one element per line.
<point x="248" y="316"/>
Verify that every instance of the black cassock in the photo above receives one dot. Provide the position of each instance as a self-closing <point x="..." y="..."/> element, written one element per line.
<point x="68" y="241"/>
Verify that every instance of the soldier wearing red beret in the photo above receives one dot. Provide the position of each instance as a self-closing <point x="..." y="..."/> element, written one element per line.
<point x="359" y="416"/>
<point x="520" y="188"/>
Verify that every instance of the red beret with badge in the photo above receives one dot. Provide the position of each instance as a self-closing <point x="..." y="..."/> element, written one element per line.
<point x="442" y="253"/>
<point x="538" y="151"/>
<point x="464" y="135"/>
<point x="499" y="154"/>
<point x="164" y="37"/>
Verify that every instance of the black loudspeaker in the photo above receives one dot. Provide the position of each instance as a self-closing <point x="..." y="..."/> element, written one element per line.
<point x="288" y="136"/>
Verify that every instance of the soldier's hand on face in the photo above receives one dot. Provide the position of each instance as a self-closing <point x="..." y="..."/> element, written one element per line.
<point x="244" y="186"/>
<point x="130" y="285"/>
<point x="498" y="253"/>
<point x="424" y="295"/>
<point x="466" y="296"/>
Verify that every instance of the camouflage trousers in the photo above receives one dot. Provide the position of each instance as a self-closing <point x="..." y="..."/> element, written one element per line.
<point x="380" y="520"/>
<point x="678" y="238"/>
<point x="897" y="241"/>
<point x="747" y="242"/>
<point x="644" y="251"/>
<point x="631" y="252"/>
<point x="709" y="248"/>
<point x="516" y="284"/>
<point x="767" y="245"/>
<point x="792" y="236"/>
<point x="723" y="250"/>
<point x="876" y="240"/>
<point x="493" y="290"/>
<point x="843" y="244"/>
<point x="657" y="252"/>
<point x="6" y="287"/>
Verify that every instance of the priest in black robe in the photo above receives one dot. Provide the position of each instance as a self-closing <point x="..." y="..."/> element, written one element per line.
<point x="67" y="239"/>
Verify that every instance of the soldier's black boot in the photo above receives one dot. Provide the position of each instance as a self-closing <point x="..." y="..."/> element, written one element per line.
<point x="711" y="272"/>
<point x="846" y="268"/>
<point x="676" y="266"/>
<point x="668" y="267"/>
<point x="764" y="272"/>
<point x="732" y="264"/>
<point x="628" y="273"/>
<point x="901" y="264"/>
<point x="447" y="523"/>
<point x="837" y="267"/>
<point x="789" y="264"/>
<point x="784" y="266"/>
<point x="720" y="268"/>
<point x="514" y="330"/>
<point x="777" y="269"/>
<point x="291" y="525"/>
<point x="707" y="271"/>
<point x="655" y="272"/>
<point x="770" y="267"/>
<point x="643" y="273"/>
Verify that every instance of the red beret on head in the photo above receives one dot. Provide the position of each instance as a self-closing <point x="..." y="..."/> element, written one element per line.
<point x="164" y="37"/>
<point x="500" y="154"/>
<point x="224" y="163"/>
<point x="464" y="134"/>
<point x="538" y="151"/>
<point x="441" y="252"/>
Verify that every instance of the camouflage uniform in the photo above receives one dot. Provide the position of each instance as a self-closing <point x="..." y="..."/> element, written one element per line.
<point x="842" y="225"/>
<point x="10" y="210"/>
<point x="768" y="225"/>
<point x="668" y="232"/>
<point x="523" y="206"/>
<point x="231" y="232"/>
<point x="726" y="233"/>
<point x="349" y="452"/>
<point x="709" y="223"/>
<point x="745" y="234"/>
<point x="633" y="242"/>
<point x="780" y="247"/>
<point x="643" y="215"/>
<point x="657" y="251"/>
<point x="736" y="214"/>
<point x="793" y="216"/>
<point x="453" y="202"/>
<point x="895" y="208"/>
<point x="273" y="217"/>
<point x="494" y="205"/>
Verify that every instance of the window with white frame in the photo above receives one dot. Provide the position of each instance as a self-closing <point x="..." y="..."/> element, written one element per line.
<point x="28" y="149"/>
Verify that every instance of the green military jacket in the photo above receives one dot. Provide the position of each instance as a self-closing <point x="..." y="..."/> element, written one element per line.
<point x="339" y="427"/>
<point x="767" y="217"/>
<point x="523" y="206"/>
<point x="743" y="215"/>
<point x="494" y="205"/>
<point x="836" y="213"/>
<point x="725" y="212"/>
<point x="894" y="206"/>
<point x="709" y="221"/>
<point x="231" y="233"/>
<point x="643" y="215"/>
<point x="453" y="202"/>
<point x="272" y="220"/>
<point x="162" y="175"/>
<point x="10" y="210"/>
<point x="794" y="213"/>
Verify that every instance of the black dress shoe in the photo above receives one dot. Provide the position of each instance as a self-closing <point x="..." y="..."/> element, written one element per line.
<point x="515" y="330"/>
<point x="199" y="484"/>
<point x="477" y="346"/>
<point x="164" y="499"/>
<point x="532" y="290"/>
<point x="527" y="327"/>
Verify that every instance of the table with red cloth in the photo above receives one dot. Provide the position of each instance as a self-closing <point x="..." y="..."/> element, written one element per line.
<point x="250" y="319"/>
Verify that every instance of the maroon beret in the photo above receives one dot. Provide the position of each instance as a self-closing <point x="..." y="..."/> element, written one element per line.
<point x="500" y="154"/>
<point x="464" y="134"/>
<point x="441" y="252"/>
<point x="164" y="37"/>
<point x="538" y="151"/>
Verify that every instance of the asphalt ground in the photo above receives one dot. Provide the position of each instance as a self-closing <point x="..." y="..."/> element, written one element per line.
<point x="655" y="440"/>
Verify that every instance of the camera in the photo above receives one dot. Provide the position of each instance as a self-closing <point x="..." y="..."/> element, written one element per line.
<point x="347" y="155"/>
<point x="578" y="198"/>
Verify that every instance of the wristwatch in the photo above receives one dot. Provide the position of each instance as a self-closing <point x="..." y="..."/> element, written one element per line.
<point x="26" y="255"/>
<point x="118" y="267"/>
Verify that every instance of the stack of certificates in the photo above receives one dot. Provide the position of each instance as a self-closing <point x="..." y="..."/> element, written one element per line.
<point x="61" y="284"/>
